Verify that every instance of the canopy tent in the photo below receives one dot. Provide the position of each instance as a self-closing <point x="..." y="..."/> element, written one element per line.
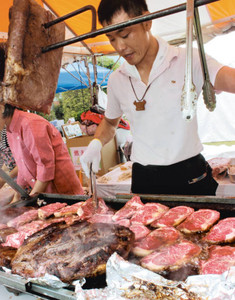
<point x="75" y="76"/>
<point x="216" y="17"/>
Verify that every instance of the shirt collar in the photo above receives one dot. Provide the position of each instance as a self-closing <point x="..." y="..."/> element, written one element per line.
<point x="14" y="120"/>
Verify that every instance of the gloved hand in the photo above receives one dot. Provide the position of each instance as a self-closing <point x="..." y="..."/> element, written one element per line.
<point x="91" y="155"/>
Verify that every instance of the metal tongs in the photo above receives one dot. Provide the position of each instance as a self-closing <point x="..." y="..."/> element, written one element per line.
<point x="189" y="95"/>
<point x="207" y="89"/>
<point x="93" y="190"/>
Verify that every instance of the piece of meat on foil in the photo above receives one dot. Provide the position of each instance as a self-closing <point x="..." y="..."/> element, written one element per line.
<point x="127" y="211"/>
<point x="199" y="221"/>
<point x="31" y="76"/>
<point x="222" y="232"/>
<point x="71" y="252"/>
<point x="173" y="216"/>
<point x="149" y="213"/>
<point x="221" y="258"/>
<point x="155" y="240"/>
<point x="172" y="257"/>
<point x="49" y="209"/>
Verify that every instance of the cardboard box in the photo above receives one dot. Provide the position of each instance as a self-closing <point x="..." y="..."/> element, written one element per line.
<point x="109" y="155"/>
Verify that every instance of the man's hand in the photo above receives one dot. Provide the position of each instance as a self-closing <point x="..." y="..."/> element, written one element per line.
<point x="91" y="155"/>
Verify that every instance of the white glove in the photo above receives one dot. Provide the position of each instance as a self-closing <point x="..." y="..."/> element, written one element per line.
<point x="91" y="155"/>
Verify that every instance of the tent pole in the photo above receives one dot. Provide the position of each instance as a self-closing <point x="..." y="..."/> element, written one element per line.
<point x="137" y="20"/>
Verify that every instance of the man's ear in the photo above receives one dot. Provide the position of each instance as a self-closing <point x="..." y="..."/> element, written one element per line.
<point x="147" y="24"/>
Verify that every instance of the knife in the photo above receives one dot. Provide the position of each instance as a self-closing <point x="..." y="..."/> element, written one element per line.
<point x="93" y="190"/>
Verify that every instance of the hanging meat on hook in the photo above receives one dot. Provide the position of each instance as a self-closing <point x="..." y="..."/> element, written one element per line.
<point x="31" y="76"/>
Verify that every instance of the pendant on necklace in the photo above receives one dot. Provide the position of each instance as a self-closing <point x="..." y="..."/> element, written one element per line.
<point x="139" y="105"/>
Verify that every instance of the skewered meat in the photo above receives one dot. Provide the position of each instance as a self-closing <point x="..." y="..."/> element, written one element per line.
<point x="149" y="213"/>
<point x="174" y="216"/>
<point x="200" y="220"/>
<point x="157" y="238"/>
<point x="71" y="252"/>
<point x="171" y="258"/>
<point x="223" y="232"/>
<point x="30" y="75"/>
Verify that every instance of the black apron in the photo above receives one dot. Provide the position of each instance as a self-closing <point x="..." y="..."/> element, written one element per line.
<point x="192" y="176"/>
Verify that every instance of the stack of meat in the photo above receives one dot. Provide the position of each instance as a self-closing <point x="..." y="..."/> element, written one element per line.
<point x="74" y="241"/>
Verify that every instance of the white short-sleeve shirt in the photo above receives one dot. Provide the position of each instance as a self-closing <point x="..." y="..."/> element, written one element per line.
<point x="160" y="134"/>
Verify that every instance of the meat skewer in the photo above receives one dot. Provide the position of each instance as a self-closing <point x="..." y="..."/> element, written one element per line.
<point x="207" y="88"/>
<point x="189" y="95"/>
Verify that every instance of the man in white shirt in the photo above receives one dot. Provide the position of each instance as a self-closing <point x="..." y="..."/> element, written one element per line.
<point x="147" y="89"/>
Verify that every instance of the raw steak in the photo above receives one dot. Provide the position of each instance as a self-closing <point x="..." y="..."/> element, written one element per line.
<point x="139" y="230"/>
<point x="219" y="165"/>
<point x="10" y="213"/>
<point x="223" y="232"/>
<point x="171" y="258"/>
<point x="220" y="260"/>
<point x="157" y="238"/>
<point x="173" y="216"/>
<point x="71" y="252"/>
<point x="26" y="217"/>
<point x="200" y="220"/>
<point x="123" y="222"/>
<point x="128" y="209"/>
<point x="87" y="209"/>
<point x="149" y="213"/>
<point x="48" y="210"/>
<point x="30" y="75"/>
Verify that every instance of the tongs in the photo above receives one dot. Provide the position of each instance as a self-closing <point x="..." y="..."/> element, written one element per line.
<point x="189" y="95"/>
<point x="207" y="89"/>
<point x="93" y="189"/>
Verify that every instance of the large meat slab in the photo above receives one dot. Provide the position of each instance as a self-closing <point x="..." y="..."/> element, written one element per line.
<point x="71" y="252"/>
<point x="31" y="76"/>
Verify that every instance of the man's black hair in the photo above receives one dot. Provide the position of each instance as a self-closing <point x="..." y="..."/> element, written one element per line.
<point x="108" y="8"/>
<point x="8" y="111"/>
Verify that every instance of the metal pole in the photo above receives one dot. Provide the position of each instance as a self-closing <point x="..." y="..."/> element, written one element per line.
<point x="151" y="16"/>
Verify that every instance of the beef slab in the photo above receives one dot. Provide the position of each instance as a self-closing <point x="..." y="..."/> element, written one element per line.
<point x="71" y="252"/>
<point x="30" y="75"/>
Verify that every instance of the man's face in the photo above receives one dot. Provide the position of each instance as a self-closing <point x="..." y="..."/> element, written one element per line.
<point x="131" y="42"/>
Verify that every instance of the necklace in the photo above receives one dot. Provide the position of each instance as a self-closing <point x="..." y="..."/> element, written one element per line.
<point x="139" y="103"/>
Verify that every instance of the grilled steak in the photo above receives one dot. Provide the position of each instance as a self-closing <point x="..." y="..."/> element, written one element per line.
<point x="48" y="210"/>
<point x="200" y="220"/>
<point x="30" y="75"/>
<point x="71" y="252"/>
<point x="173" y="216"/>
<point x="223" y="232"/>
<point x="6" y="255"/>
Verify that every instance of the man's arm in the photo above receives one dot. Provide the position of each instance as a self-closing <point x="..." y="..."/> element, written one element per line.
<point x="225" y="80"/>
<point x="106" y="130"/>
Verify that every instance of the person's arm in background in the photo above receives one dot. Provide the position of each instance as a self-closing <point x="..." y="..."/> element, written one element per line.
<point x="225" y="80"/>
<point x="104" y="133"/>
<point x="39" y="187"/>
<point x="13" y="173"/>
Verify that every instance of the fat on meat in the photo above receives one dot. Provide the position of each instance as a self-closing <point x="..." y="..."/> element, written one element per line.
<point x="30" y="75"/>
<point x="149" y="213"/>
<point x="199" y="221"/>
<point x="155" y="240"/>
<point x="222" y="232"/>
<point x="173" y="217"/>
<point x="49" y="209"/>
<point x="172" y="257"/>
<point x="127" y="211"/>
<point x="221" y="258"/>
